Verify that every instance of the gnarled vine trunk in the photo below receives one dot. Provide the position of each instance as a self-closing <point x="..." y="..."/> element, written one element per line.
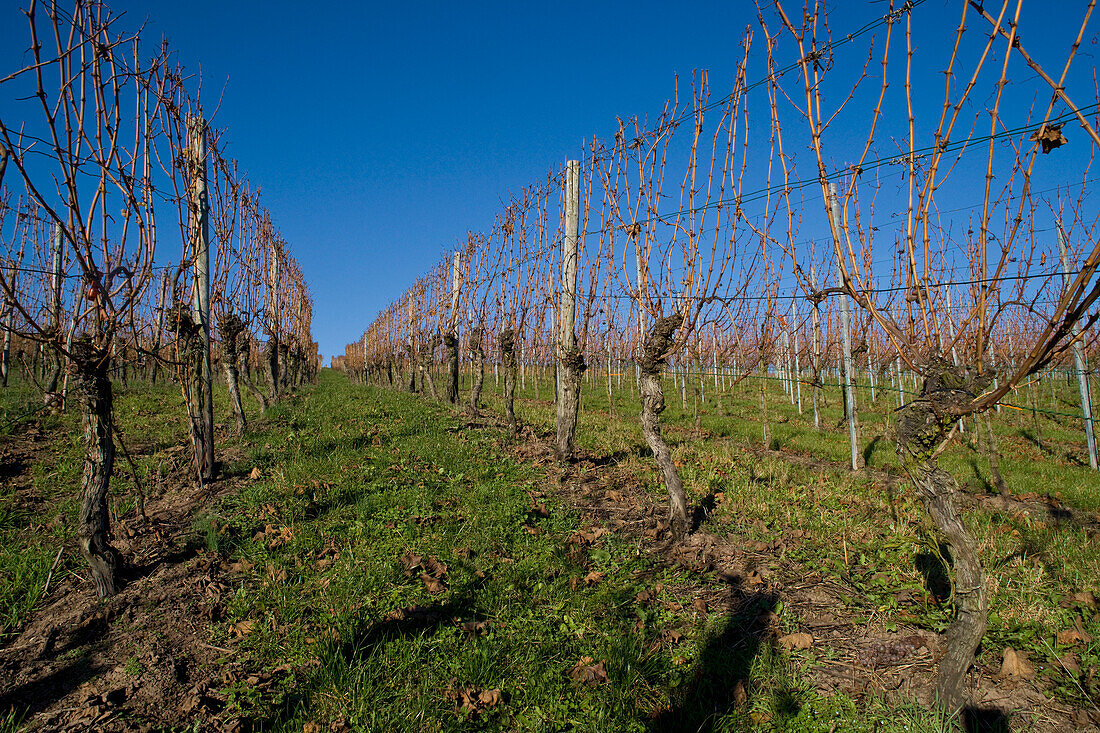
<point x="425" y="365"/>
<point x="478" y="354"/>
<point x="923" y="427"/>
<point x="658" y="343"/>
<point x="231" y="329"/>
<point x="92" y="389"/>
<point x="507" y="343"/>
<point x="571" y="367"/>
<point x="451" y="342"/>
<point x="244" y="372"/>
<point x="414" y="367"/>
<point x="271" y="362"/>
<point x="189" y="337"/>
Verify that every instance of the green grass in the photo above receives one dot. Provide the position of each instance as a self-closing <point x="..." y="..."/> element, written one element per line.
<point x="328" y="609"/>
<point x="873" y="539"/>
<point x="358" y="478"/>
<point x="34" y="524"/>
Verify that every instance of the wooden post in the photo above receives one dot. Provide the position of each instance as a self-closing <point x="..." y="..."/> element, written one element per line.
<point x="273" y="312"/>
<point x="200" y="230"/>
<point x="794" y="352"/>
<point x="1079" y="361"/>
<point x="816" y="317"/>
<point x="451" y="338"/>
<point x="570" y="360"/>
<point x="8" y="314"/>
<point x="846" y="335"/>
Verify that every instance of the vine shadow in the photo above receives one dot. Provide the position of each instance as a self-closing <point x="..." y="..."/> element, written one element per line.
<point x="720" y="679"/>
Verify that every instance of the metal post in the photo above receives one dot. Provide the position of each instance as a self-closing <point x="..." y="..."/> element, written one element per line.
<point x="846" y="335"/>
<point x="1079" y="361"/>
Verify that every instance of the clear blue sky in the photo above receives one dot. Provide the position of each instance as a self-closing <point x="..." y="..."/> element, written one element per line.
<point x="381" y="133"/>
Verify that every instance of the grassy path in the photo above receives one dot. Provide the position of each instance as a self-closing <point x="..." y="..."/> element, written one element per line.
<point x="376" y="563"/>
<point x="394" y="570"/>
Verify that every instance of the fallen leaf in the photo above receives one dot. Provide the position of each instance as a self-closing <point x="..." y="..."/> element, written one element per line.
<point x="1015" y="664"/>
<point x="740" y="697"/>
<point x="1070" y="637"/>
<point x="475" y="627"/>
<point x="1069" y="661"/>
<point x="243" y="628"/>
<point x="435" y="586"/>
<point x="255" y="475"/>
<point x="587" y="673"/>
<point x="799" y="640"/>
<point x="594" y="578"/>
<point x="489" y="698"/>
<point x="700" y="607"/>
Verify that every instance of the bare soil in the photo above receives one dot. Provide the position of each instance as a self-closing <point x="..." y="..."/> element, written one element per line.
<point x="139" y="661"/>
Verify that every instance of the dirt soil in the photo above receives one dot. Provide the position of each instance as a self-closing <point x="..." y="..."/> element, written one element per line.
<point x="864" y="660"/>
<point x="140" y="661"/>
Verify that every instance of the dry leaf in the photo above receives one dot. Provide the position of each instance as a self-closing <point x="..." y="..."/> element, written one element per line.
<point x="255" y="475"/>
<point x="489" y="698"/>
<point x="243" y="628"/>
<point x="800" y="640"/>
<point x="740" y="697"/>
<point x="594" y="578"/>
<point x="1070" y="637"/>
<point x="1069" y="661"/>
<point x="1050" y="138"/>
<point x="587" y="673"/>
<point x="1015" y="664"/>
<point x="700" y="607"/>
<point x="434" y="585"/>
<point x="475" y="627"/>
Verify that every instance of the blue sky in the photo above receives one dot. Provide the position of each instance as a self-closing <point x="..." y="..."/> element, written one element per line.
<point x="381" y="133"/>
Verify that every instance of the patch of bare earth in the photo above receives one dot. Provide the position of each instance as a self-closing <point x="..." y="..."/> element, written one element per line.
<point x="862" y="659"/>
<point x="139" y="661"/>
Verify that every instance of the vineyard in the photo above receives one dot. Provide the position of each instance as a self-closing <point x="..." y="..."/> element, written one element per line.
<point x="772" y="412"/>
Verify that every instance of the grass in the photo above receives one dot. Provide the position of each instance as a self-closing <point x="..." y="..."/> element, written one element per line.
<point x="395" y="570"/>
<point x="36" y="521"/>
<point x="873" y="539"/>
<point x="358" y="481"/>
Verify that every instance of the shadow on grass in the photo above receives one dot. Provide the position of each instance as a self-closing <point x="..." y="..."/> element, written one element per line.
<point x="869" y="450"/>
<point x="703" y="509"/>
<point x="936" y="573"/>
<point x="720" y="681"/>
<point x="361" y="643"/>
